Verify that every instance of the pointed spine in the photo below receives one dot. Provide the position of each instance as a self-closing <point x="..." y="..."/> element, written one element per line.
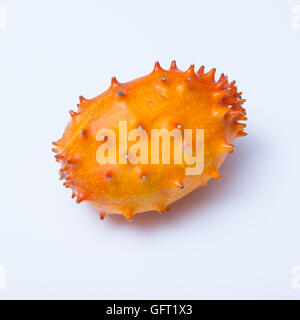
<point x="210" y="75"/>
<point x="157" y="67"/>
<point x="102" y="215"/>
<point x="81" y="197"/>
<point x="173" y="66"/>
<point x="227" y="147"/>
<point x="241" y="134"/>
<point x="64" y="168"/>
<point x="128" y="214"/>
<point x="239" y="126"/>
<point x="231" y="114"/>
<point x="200" y="71"/>
<point x="72" y="113"/>
<point x="190" y="71"/>
<point x="114" y="82"/>
<point x="230" y="85"/>
<point x="55" y="143"/>
<point x="214" y="173"/>
<point x="239" y="101"/>
<point x="82" y="99"/>
<point x="222" y="82"/>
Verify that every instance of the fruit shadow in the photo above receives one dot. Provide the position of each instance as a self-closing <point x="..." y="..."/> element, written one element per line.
<point x="201" y="200"/>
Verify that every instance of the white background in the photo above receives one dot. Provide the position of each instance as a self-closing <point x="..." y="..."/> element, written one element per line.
<point x="239" y="237"/>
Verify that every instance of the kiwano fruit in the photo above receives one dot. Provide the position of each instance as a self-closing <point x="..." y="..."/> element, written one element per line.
<point x="164" y="99"/>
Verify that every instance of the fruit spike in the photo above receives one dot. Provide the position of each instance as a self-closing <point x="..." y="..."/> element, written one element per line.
<point x="163" y="99"/>
<point x="173" y="66"/>
<point x="114" y="82"/>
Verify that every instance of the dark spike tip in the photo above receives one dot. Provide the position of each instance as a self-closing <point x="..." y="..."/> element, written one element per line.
<point x="201" y="70"/>
<point x="82" y="99"/>
<point x="55" y="143"/>
<point x="72" y="113"/>
<point x="102" y="215"/>
<point x="157" y="67"/>
<point x="114" y="82"/>
<point x="191" y="69"/>
<point x="173" y="65"/>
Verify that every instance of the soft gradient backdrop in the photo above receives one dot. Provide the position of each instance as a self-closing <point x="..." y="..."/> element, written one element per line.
<point x="239" y="237"/>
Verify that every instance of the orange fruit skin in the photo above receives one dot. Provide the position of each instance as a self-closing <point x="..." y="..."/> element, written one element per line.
<point x="163" y="99"/>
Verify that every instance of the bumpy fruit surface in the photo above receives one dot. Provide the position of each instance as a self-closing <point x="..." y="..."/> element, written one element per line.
<point x="163" y="99"/>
